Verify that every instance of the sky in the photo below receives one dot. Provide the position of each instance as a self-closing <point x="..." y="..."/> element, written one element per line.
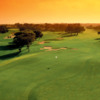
<point x="49" y="11"/>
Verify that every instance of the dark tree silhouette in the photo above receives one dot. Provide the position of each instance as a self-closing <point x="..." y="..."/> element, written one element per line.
<point x="42" y="27"/>
<point x="3" y="29"/>
<point x="78" y="29"/>
<point x="38" y="34"/>
<point x="69" y="29"/>
<point x="23" y="38"/>
<point x="74" y="28"/>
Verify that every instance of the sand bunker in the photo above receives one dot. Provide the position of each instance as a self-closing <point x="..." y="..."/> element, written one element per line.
<point x="49" y="48"/>
<point x="11" y="36"/>
<point x="42" y="42"/>
<point x="59" y="38"/>
<point x="74" y="49"/>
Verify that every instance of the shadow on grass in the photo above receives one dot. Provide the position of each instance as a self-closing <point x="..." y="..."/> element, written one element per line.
<point x="32" y="95"/>
<point x="8" y="56"/>
<point x="51" y="40"/>
<point x="8" y="47"/>
<point x="97" y="39"/>
<point x="68" y="35"/>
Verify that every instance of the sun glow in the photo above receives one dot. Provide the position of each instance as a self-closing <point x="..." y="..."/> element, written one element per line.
<point x="50" y="11"/>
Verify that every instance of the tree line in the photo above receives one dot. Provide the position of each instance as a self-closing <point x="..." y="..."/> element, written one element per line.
<point x="28" y="33"/>
<point x="40" y="27"/>
<point x="74" y="28"/>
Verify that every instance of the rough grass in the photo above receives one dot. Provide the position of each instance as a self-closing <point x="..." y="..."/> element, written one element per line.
<point x="38" y="75"/>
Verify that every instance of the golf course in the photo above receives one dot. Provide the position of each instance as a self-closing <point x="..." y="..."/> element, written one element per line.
<point x="56" y="68"/>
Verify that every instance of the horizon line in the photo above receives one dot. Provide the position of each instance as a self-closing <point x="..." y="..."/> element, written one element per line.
<point x="50" y="23"/>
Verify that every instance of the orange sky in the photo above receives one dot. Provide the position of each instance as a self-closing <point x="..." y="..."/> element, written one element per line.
<point x="53" y="11"/>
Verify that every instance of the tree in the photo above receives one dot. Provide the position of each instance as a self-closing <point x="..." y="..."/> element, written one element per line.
<point x="78" y="29"/>
<point x="69" y="29"/>
<point x="74" y="28"/>
<point x="23" y="38"/>
<point x="3" y="29"/>
<point x="38" y="34"/>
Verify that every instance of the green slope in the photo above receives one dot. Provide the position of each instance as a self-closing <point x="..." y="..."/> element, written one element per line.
<point x="38" y="75"/>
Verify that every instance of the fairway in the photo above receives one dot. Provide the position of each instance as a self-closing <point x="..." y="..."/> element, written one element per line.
<point x="59" y="74"/>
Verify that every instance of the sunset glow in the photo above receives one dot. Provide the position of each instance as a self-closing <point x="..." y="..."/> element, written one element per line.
<point x="49" y="11"/>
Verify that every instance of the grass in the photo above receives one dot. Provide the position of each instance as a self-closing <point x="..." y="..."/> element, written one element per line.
<point x="38" y="75"/>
